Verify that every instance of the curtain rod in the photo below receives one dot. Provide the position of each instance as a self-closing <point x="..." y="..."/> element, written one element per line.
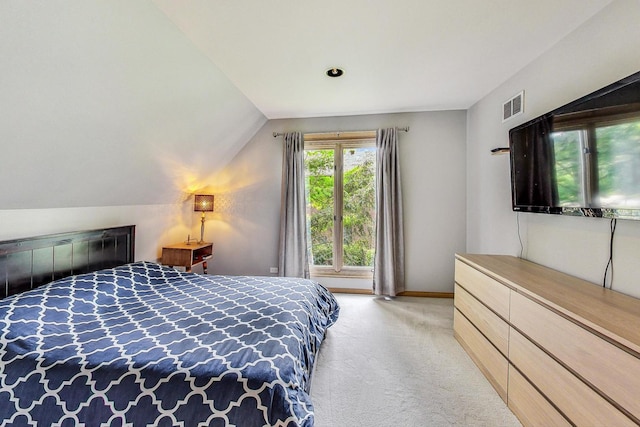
<point x="404" y="129"/>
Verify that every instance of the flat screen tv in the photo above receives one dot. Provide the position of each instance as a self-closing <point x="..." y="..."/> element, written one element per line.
<point x="582" y="158"/>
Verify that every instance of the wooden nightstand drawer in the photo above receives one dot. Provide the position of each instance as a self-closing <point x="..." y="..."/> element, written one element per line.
<point x="187" y="255"/>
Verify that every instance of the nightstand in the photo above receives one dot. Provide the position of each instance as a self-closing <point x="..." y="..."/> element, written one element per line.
<point x="187" y="255"/>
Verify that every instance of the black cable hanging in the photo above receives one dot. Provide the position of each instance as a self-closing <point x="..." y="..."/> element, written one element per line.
<point x="613" y="224"/>
<point x="519" y="236"/>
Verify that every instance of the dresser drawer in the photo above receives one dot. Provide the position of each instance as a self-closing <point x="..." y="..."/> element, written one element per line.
<point x="493" y="365"/>
<point x="493" y="327"/>
<point x="606" y="367"/>
<point x="581" y="404"/>
<point x="491" y="292"/>
<point x="530" y="406"/>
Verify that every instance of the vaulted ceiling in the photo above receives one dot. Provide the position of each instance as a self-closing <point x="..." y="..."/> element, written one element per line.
<point x="400" y="55"/>
<point x="120" y="102"/>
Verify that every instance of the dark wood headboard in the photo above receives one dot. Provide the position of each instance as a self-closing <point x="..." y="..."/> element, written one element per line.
<point x="33" y="261"/>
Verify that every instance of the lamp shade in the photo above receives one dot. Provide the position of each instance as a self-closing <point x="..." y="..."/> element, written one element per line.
<point x="203" y="203"/>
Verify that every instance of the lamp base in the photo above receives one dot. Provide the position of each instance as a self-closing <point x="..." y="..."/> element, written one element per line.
<point x="201" y="229"/>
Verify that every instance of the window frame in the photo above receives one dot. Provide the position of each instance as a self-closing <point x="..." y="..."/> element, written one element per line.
<point x="338" y="141"/>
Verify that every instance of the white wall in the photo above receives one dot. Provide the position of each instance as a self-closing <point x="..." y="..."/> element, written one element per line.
<point x="155" y="224"/>
<point x="244" y="227"/>
<point x="107" y="103"/>
<point x="600" y="52"/>
<point x="109" y="116"/>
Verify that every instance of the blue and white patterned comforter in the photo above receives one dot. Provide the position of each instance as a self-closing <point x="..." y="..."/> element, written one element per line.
<point x="145" y="345"/>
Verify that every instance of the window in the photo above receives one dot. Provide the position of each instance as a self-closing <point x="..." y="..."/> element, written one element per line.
<point x="340" y="179"/>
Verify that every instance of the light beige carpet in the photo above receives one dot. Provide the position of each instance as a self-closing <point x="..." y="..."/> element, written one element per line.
<point x="396" y="364"/>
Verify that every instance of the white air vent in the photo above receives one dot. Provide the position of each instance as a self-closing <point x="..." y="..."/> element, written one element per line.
<point x="513" y="107"/>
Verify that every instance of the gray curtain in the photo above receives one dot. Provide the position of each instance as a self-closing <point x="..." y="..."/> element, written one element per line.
<point x="293" y="256"/>
<point x="388" y="273"/>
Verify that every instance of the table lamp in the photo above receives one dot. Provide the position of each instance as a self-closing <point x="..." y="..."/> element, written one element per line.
<point x="203" y="203"/>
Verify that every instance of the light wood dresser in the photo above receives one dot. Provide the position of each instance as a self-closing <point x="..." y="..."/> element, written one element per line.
<point x="557" y="349"/>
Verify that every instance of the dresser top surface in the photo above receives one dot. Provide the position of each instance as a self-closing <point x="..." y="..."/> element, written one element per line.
<point x="610" y="313"/>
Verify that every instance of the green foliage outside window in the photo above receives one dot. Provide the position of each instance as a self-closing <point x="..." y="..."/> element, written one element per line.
<point x="358" y="205"/>
<point x="359" y="212"/>
<point x="320" y="183"/>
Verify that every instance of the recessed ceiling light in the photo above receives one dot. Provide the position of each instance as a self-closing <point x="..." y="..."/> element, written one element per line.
<point x="335" y="72"/>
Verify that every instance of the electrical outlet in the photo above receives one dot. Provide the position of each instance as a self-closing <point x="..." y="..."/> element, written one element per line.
<point x="273" y="270"/>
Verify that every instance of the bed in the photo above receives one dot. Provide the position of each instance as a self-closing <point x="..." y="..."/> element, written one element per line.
<point x="141" y="344"/>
